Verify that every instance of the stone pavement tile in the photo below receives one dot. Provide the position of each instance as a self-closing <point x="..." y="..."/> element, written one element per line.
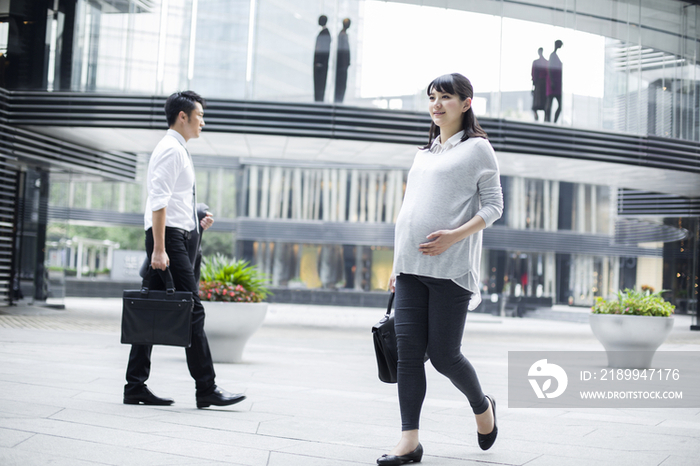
<point x="22" y="409"/>
<point x="324" y="454"/>
<point x="29" y="393"/>
<point x="334" y="452"/>
<point x="214" y="435"/>
<point x="11" y="437"/>
<point x="380" y="414"/>
<point x="548" y="435"/>
<point x="430" y="460"/>
<point x="14" y="457"/>
<point x="612" y="416"/>
<point x="614" y="458"/>
<point x="109" y="406"/>
<point x="137" y="426"/>
<point x="682" y="425"/>
<point x="225" y="418"/>
<point x="78" y="432"/>
<point x="98" y="453"/>
<point x="656" y="443"/>
<point x="333" y="431"/>
<point x="439" y="454"/>
<point x="202" y="449"/>
<point x="593" y="453"/>
<point x="468" y="450"/>
<point x="290" y="459"/>
<point x="178" y="426"/>
<point x="330" y="407"/>
<point x="674" y="460"/>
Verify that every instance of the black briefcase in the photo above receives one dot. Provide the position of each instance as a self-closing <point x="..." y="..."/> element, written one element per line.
<point x="384" y="336"/>
<point x="157" y="317"/>
<point x="385" y="349"/>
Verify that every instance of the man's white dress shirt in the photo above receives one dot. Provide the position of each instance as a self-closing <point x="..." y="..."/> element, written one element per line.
<point x="170" y="183"/>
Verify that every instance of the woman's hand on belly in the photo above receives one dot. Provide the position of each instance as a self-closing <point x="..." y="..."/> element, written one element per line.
<point x="439" y="242"/>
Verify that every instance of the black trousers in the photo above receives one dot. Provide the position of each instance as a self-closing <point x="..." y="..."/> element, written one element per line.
<point x="341" y="83"/>
<point x="198" y="355"/>
<point x="320" y="77"/>
<point x="548" y="108"/>
<point x="430" y="315"/>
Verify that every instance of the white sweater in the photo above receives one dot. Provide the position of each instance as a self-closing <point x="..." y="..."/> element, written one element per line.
<point x="447" y="186"/>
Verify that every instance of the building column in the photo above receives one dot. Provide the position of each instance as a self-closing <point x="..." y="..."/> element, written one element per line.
<point x="79" y="260"/>
<point x="253" y="191"/>
<point x="42" y="196"/>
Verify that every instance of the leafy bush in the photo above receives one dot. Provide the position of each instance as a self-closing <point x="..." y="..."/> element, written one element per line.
<point x="634" y="303"/>
<point x="222" y="279"/>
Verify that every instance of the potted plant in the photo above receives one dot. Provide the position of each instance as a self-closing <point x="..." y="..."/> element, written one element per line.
<point x="233" y="291"/>
<point x="632" y="326"/>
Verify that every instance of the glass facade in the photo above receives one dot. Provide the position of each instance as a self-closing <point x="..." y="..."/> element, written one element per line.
<point x="626" y="66"/>
<point x="347" y="195"/>
<point x="610" y="73"/>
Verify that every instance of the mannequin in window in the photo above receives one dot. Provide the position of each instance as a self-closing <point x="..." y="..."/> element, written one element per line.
<point x="342" y="62"/>
<point x="554" y="83"/>
<point x="321" y="55"/>
<point x="539" y="83"/>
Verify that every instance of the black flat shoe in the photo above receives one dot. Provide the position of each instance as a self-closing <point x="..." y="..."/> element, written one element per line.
<point x="392" y="460"/>
<point x="486" y="440"/>
<point x="146" y="397"/>
<point x="219" y="397"/>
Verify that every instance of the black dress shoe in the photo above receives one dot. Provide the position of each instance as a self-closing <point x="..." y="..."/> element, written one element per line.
<point x="219" y="397"/>
<point x="145" y="396"/>
<point x="393" y="460"/>
<point x="486" y="440"/>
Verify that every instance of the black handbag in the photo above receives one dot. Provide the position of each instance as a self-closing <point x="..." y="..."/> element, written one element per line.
<point x="157" y="317"/>
<point x="385" y="349"/>
<point x="384" y="336"/>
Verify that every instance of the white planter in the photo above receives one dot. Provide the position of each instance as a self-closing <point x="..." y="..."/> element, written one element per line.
<point x="630" y="341"/>
<point x="229" y="326"/>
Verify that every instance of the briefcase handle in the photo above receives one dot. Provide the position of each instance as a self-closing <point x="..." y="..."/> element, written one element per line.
<point x="391" y="302"/>
<point x="165" y="275"/>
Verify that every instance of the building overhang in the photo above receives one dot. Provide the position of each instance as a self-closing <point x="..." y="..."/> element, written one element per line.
<point x="323" y="133"/>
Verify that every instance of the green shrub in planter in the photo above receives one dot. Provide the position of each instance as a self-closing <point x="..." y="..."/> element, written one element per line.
<point x="222" y="279"/>
<point x="634" y="303"/>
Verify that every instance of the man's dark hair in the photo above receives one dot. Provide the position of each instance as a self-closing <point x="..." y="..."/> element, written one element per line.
<point x="182" y="102"/>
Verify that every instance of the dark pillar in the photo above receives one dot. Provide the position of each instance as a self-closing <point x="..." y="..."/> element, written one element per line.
<point x="64" y="68"/>
<point x="41" y="193"/>
<point x="27" y="50"/>
<point x="564" y="291"/>
<point x="566" y="205"/>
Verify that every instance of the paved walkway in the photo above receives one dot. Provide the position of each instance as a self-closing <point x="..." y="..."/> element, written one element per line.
<point x="313" y="398"/>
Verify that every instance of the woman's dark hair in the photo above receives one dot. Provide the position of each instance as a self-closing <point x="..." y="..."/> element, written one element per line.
<point x="181" y="102"/>
<point x="458" y="85"/>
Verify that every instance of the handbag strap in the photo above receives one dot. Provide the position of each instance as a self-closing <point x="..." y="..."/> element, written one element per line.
<point x="388" y="306"/>
<point x="165" y="275"/>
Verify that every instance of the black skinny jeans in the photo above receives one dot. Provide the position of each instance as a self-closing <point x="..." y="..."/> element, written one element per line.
<point x="430" y="314"/>
<point x="198" y="355"/>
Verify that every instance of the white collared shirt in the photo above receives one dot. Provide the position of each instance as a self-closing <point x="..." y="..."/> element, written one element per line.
<point x="437" y="147"/>
<point x="170" y="183"/>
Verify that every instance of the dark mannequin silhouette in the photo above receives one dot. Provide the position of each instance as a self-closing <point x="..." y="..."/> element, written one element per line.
<point x="321" y="55"/>
<point x="342" y="62"/>
<point x="539" y="83"/>
<point x="554" y="83"/>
